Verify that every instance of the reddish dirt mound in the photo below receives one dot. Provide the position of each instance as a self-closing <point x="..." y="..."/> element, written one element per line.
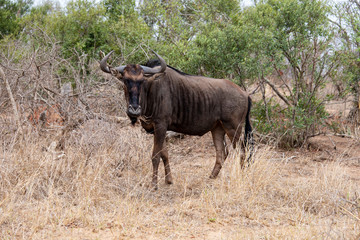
<point x="47" y="115"/>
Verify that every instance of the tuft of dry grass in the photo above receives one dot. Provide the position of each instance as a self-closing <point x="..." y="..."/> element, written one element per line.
<point x="97" y="188"/>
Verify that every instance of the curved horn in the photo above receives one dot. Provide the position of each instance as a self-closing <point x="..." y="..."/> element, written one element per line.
<point x="105" y="67"/>
<point x="158" y="69"/>
<point x="120" y="69"/>
<point x="103" y="63"/>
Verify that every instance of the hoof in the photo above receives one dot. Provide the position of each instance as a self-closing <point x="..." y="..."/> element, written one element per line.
<point x="212" y="176"/>
<point x="169" y="181"/>
<point x="154" y="186"/>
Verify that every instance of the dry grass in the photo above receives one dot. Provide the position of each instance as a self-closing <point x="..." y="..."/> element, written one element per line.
<point x="98" y="189"/>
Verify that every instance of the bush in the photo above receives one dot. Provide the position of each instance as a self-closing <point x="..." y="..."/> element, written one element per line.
<point x="289" y="126"/>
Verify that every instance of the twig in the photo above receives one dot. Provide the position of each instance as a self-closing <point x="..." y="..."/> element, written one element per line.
<point x="333" y="143"/>
<point x="276" y="91"/>
<point x="350" y="213"/>
<point x="12" y="100"/>
<point x="255" y="90"/>
<point x="48" y="89"/>
<point x="316" y="134"/>
<point x="343" y="135"/>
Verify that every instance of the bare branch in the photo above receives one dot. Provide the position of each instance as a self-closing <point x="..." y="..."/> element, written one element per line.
<point x="282" y="79"/>
<point x="12" y="100"/>
<point x="276" y="91"/>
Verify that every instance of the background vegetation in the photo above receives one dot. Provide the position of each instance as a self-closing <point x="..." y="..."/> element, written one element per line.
<point x="295" y="47"/>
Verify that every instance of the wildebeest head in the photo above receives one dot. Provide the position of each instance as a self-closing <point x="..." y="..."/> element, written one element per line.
<point x="134" y="77"/>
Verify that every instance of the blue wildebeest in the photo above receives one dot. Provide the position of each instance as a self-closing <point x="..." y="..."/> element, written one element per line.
<point x="163" y="98"/>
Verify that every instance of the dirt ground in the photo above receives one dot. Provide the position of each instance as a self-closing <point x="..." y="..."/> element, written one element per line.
<point x="98" y="188"/>
<point x="181" y="210"/>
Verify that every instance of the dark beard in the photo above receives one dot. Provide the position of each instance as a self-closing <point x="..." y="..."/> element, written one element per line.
<point x="133" y="120"/>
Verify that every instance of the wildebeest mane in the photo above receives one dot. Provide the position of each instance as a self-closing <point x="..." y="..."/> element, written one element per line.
<point x="155" y="62"/>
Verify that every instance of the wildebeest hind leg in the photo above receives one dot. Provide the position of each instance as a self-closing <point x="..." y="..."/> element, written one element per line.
<point x="234" y="131"/>
<point x="165" y="158"/>
<point x="218" y="135"/>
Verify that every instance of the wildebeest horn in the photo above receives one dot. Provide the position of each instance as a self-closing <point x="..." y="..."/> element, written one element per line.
<point x="158" y="69"/>
<point x="104" y="66"/>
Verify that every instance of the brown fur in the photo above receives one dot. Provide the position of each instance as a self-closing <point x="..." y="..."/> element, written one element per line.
<point x="133" y="72"/>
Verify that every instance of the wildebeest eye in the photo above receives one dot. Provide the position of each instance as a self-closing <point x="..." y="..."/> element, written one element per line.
<point x="126" y="81"/>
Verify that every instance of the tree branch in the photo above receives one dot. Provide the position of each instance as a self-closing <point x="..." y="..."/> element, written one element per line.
<point x="12" y="100"/>
<point x="276" y="91"/>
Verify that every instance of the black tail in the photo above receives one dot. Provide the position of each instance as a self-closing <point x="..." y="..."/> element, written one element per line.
<point x="248" y="138"/>
<point x="248" y="129"/>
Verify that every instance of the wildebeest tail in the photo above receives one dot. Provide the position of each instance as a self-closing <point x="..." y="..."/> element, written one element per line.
<point x="248" y="138"/>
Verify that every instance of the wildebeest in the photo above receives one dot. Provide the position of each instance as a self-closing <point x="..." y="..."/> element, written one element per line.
<point x="163" y="98"/>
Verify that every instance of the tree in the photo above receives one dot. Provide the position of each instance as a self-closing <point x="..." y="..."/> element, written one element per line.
<point x="176" y="24"/>
<point x="10" y="12"/>
<point x="39" y="15"/>
<point x="233" y="48"/>
<point x="115" y="9"/>
<point x="348" y="23"/>
<point x="299" y="45"/>
<point x="81" y="27"/>
<point x="127" y="32"/>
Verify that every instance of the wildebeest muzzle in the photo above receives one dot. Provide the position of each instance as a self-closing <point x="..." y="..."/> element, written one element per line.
<point x="134" y="111"/>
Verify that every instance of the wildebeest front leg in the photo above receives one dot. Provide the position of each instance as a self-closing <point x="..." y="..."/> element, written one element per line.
<point x="158" y="151"/>
<point x="218" y="135"/>
<point x="165" y="158"/>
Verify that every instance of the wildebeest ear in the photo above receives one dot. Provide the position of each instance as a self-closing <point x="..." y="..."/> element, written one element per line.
<point x="153" y="77"/>
<point x="116" y="74"/>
